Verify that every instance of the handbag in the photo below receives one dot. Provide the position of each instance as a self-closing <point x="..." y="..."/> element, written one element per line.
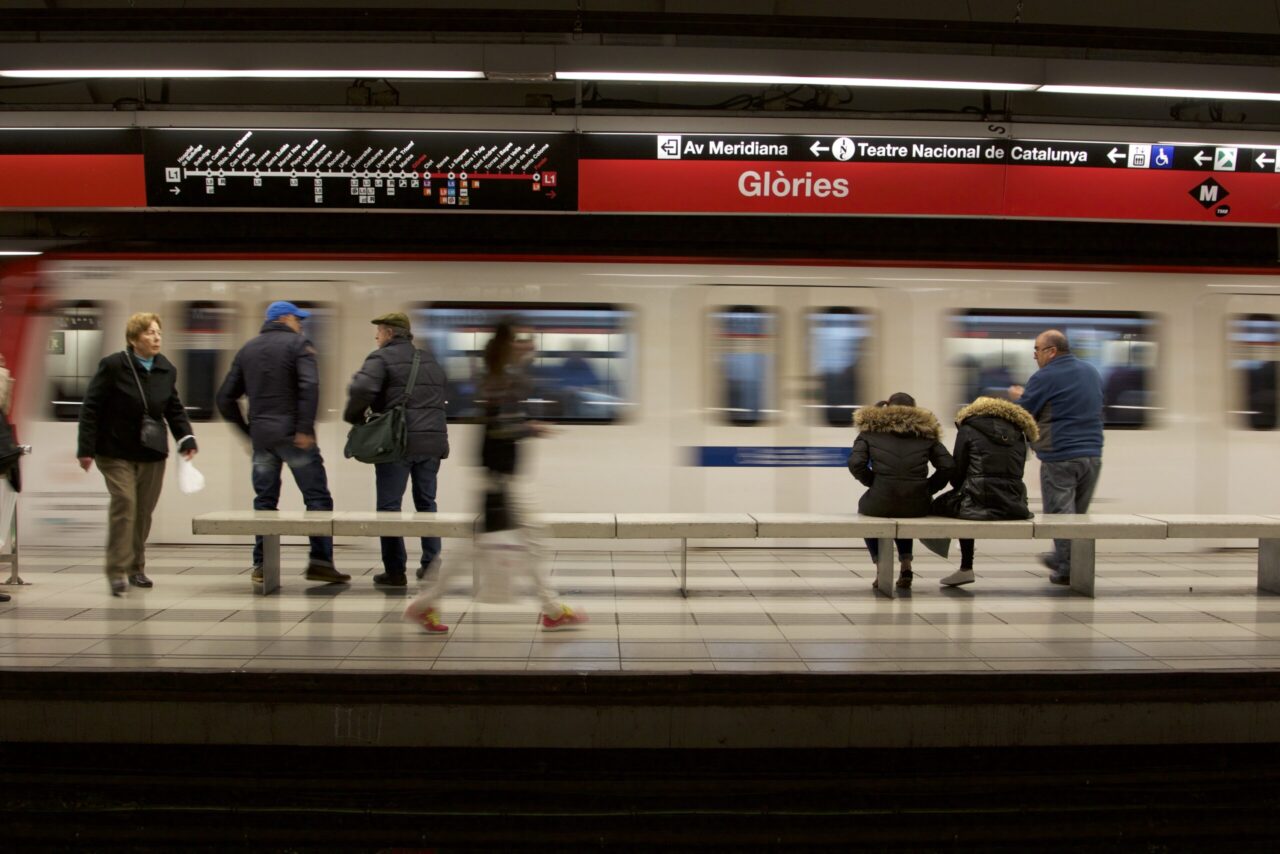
<point x="151" y="433"/>
<point x="384" y="437"/>
<point x="10" y="450"/>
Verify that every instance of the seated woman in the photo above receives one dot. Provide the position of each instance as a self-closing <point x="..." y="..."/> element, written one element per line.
<point x="991" y="450"/>
<point x="897" y="441"/>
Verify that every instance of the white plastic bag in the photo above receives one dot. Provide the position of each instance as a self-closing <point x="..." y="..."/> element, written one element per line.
<point x="190" y="480"/>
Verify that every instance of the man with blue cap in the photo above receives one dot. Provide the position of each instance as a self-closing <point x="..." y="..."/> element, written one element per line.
<point x="277" y="371"/>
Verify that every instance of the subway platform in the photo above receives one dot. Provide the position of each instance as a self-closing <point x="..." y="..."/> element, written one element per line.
<point x="781" y="703"/>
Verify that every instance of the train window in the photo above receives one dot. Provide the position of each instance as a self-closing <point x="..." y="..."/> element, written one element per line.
<point x="1255" y="349"/>
<point x="837" y="339"/>
<point x="582" y="363"/>
<point x="200" y="345"/>
<point x="72" y="352"/>
<point x="991" y="350"/>
<point x="744" y="352"/>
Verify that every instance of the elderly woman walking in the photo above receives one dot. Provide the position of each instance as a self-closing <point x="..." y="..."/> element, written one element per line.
<point x="122" y="432"/>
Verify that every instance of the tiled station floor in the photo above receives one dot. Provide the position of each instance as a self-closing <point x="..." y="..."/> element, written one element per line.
<point x="749" y="610"/>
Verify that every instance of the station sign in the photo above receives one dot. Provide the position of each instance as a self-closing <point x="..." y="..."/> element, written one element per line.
<point x="730" y="174"/>
<point x="362" y="169"/>
<point x="917" y="176"/>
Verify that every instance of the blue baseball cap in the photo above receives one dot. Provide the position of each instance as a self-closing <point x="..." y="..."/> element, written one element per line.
<point x="281" y="308"/>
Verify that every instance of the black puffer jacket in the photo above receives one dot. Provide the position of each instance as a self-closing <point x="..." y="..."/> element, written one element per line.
<point x="381" y="382"/>
<point x="891" y="457"/>
<point x="111" y="414"/>
<point x="277" y="370"/>
<point x="991" y="450"/>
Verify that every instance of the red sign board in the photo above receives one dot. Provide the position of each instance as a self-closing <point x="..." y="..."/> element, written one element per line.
<point x="929" y="178"/>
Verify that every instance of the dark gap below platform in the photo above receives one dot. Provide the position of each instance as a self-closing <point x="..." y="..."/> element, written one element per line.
<point x="200" y="798"/>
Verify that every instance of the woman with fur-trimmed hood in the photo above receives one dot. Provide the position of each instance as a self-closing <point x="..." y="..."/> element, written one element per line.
<point x="897" y="441"/>
<point x="990" y="453"/>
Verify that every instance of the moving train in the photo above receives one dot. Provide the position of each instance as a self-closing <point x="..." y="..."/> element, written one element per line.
<point x="676" y="386"/>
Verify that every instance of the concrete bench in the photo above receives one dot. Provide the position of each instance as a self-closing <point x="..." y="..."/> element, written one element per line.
<point x="1264" y="529"/>
<point x="838" y="527"/>
<point x="944" y="527"/>
<point x="1085" y="529"/>
<point x="1082" y="530"/>
<point x="682" y="527"/>
<point x="271" y="525"/>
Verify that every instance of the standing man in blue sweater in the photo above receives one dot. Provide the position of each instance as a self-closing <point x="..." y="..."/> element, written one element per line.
<point x="1065" y="398"/>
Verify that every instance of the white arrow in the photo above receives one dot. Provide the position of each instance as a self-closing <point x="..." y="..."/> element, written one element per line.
<point x="1200" y="158"/>
<point x="1115" y="154"/>
<point x="1263" y="160"/>
<point x="817" y="148"/>
<point x="175" y="190"/>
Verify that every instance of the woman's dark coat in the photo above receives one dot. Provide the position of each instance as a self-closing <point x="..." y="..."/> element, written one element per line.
<point x="891" y="457"/>
<point x="111" y="415"/>
<point x="381" y="382"/>
<point x="991" y="450"/>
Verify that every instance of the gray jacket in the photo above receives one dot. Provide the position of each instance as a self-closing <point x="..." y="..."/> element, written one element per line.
<point x="380" y="383"/>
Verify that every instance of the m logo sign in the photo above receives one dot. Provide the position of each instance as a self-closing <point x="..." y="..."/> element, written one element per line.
<point x="1209" y="193"/>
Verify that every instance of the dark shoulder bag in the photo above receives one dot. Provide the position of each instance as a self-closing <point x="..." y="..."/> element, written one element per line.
<point x="384" y="438"/>
<point x="151" y="434"/>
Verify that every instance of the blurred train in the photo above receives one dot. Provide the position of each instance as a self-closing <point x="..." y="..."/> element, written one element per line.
<point x="674" y="386"/>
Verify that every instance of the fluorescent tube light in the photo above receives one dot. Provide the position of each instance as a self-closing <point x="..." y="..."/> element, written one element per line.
<point x="788" y="80"/>
<point x="1154" y="92"/>
<point x="254" y="73"/>
<point x="15" y="252"/>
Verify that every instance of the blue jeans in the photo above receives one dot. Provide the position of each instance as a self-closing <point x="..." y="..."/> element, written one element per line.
<point x="392" y="478"/>
<point x="307" y="468"/>
<point x="1067" y="487"/>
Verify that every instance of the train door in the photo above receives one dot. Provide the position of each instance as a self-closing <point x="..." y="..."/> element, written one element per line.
<point x="780" y="375"/>
<point x="1242" y="479"/>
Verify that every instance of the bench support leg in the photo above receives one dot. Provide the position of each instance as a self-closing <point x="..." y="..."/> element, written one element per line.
<point x="12" y="556"/>
<point x="270" y="565"/>
<point x="884" y="568"/>
<point x="1269" y="566"/>
<point x="1082" y="566"/>
<point x="684" y="568"/>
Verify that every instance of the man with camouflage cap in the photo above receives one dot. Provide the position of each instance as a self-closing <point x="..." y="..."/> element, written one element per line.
<point x="380" y="384"/>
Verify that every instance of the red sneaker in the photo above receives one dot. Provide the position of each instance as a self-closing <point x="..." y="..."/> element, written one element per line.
<point x="568" y="617"/>
<point x="428" y="619"/>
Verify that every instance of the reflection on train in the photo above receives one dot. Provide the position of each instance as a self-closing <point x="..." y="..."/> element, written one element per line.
<point x="642" y="364"/>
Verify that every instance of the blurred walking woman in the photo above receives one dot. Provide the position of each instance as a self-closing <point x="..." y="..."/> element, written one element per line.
<point x="122" y="431"/>
<point x="502" y="394"/>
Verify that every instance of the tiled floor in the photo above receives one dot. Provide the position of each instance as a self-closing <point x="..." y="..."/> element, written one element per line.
<point x="749" y="610"/>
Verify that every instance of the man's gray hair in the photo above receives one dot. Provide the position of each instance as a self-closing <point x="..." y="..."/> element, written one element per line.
<point x="396" y="331"/>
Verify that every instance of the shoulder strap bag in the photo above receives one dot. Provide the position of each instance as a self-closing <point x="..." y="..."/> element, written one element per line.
<point x="384" y="437"/>
<point x="151" y="433"/>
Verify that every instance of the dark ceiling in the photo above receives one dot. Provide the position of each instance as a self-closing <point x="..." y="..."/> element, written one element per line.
<point x="1242" y="34"/>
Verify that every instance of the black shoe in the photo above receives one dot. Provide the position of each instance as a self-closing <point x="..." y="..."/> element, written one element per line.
<point x="5" y="597"/>
<point x="255" y="575"/>
<point x="904" y="580"/>
<point x="326" y="573"/>
<point x="1055" y="578"/>
<point x="139" y="579"/>
<point x="118" y="587"/>
<point x="386" y="579"/>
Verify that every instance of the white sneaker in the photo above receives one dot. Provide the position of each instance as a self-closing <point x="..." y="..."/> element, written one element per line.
<point x="960" y="576"/>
